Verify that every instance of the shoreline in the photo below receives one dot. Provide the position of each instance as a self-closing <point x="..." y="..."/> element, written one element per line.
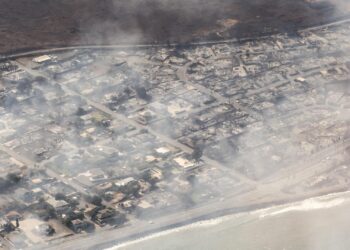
<point x="215" y="215"/>
<point x="262" y="213"/>
<point x="200" y="217"/>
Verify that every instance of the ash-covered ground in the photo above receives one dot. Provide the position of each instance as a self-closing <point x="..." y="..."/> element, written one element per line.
<point x="26" y="25"/>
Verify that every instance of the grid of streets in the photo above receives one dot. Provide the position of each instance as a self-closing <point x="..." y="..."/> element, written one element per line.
<point x="96" y="139"/>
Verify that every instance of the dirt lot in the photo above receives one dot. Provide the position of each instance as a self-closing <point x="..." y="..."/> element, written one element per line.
<point x="48" y="23"/>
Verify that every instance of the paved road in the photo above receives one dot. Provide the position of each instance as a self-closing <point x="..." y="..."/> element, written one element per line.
<point x="135" y="124"/>
<point x="269" y="193"/>
<point x="266" y="189"/>
<point x="31" y="164"/>
<point x="144" y="46"/>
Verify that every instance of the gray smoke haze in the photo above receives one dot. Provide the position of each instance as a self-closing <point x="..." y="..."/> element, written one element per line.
<point x="51" y="23"/>
<point x="272" y="134"/>
<point x="162" y="21"/>
<point x="165" y="21"/>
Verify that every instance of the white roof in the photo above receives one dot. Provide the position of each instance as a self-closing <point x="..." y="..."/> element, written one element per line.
<point x="124" y="182"/>
<point x="183" y="162"/>
<point x="162" y="150"/>
<point x="41" y="59"/>
<point x="144" y="204"/>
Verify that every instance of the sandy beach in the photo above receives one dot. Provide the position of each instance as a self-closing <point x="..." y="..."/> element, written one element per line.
<point x="315" y="223"/>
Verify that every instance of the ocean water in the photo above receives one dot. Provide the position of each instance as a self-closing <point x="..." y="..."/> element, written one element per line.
<point x="317" y="223"/>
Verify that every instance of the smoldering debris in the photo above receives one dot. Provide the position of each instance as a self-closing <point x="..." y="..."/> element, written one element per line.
<point x="111" y="136"/>
<point x="27" y="26"/>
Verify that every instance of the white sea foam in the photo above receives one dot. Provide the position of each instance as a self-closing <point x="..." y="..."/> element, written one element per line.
<point x="199" y="224"/>
<point x="322" y="202"/>
<point x="306" y="205"/>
